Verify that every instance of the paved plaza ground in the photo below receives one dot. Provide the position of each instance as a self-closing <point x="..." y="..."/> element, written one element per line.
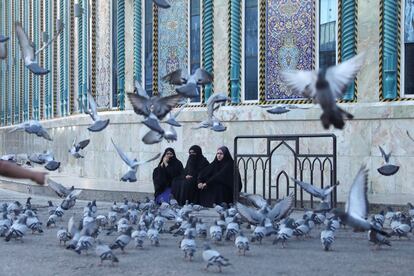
<point x="40" y="254"/>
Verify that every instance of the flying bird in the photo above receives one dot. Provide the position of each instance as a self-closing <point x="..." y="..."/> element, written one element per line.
<point x="162" y="4"/>
<point x="356" y="207"/>
<point x="325" y="86"/>
<point x="133" y="165"/>
<point x="45" y="158"/>
<point x="27" y="48"/>
<point x="282" y="108"/>
<point x="59" y="189"/>
<point x="3" y="46"/>
<point x="76" y="147"/>
<point x="387" y="169"/>
<point x="98" y="123"/>
<point x="321" y="193"/>
<point x="189" y="83"/>
<point x="33" y="127"/>
<point x="213" y="103"/>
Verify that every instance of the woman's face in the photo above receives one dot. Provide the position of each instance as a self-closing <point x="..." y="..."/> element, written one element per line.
<point x="192" y="152"/>
<point x="220" y="155"/>
<point x="169" y="154"/>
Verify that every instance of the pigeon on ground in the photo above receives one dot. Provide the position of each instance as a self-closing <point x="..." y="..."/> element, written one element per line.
<point x="189" y="83"/>
<point x="285" y="232"/>
<point x="76" y="147"/>
<point x="104" y="252"/>
<point x="387" y="169"/>
<point x="92" y="110"/>
<point x="153" y="236"/>
<point x="213" y="103"/>
<point x="327" y="237"/>
<point x="33" y="222"/>
<point x="377" y="239"/>
<point x="188" y="246"/>
<point x="282" y="108"/>
<point x="123" y="240"/>
<point x="201" y="229"/>
<point x="139" y="236"/>
<point x="161" y="4"/>
<point x="213" y="257"/>
<point x="33" y="127"/>
<point x="410" y="209"/>
<point x="242" y="243"/>
<point x="84" y="244"/>
<point x="17" y="230"/>
<point x="325" y="86"/>
<point x="59" y="189"/>
<point x="65" y="235"/>
<point x="5" y="224"/>
<point x="3" y="47"/>
<point x="321" y="193"/>
<point x="133" y="165"/>
<point x="356" y="208"/>
<point x="27" y="48"/>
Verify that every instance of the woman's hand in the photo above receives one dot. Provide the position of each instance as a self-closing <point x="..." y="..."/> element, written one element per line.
<point x="188" y="177"/>
<point x="200" y="185"/>
<point x="165" y="160"/>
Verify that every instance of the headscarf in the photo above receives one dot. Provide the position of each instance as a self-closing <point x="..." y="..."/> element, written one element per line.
<point x="172" y="159"/>
<point x="195" y="162"/>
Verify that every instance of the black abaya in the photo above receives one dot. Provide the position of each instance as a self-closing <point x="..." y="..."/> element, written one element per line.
<point x="186" y="189"/>
<point x="219" y="179"/>
<point x="164" y="176"/>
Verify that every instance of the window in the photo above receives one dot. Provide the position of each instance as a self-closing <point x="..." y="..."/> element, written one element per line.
<point x="195" y="40"/>
<point x="328" y="13"/>
<point x="251" y="50"/>
<point x="148" y="47"/>
<point x="408" y="48"/>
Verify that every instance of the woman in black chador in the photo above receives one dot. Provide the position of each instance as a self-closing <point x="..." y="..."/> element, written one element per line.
<point x="185" y="187"/>
<point x="168" y="169"/>
<point x="215" y="182"/>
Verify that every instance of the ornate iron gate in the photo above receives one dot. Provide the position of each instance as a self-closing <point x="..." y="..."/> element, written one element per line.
<point x="265" y="162"/>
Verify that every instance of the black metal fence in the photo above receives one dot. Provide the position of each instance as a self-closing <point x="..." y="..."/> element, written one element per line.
<point x="266" y="164"/>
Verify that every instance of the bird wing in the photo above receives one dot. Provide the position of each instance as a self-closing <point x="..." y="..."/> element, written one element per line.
<point x="123" y="156"/>
<point x="179" y="110"/>
<point x="341" y="75"/>
<point x="83" y="144"/>
<point x="26" y="46"/>
<point x="203" y="77"/>
<point x="177" y="77"/>
<point x="74" y="142"/>
<point x="72" y="226"/>
<point x="93" y="106"/>
<point x="301" y="82"/>
<point x="58" y="32"/>
<point x="315" y="191"/>
<point x="140" y="104"/>
<point x="161" y="3"/>
<point x="384" y="155"/>
<point x="58" y="188"/>
<point x="149" y="160"/>
<point x="140" y="90"/>
<point x="152" y="137"/>
<point x="249" y="214"/>
<point x="281" y="209"/>
<point x="357" y="204"/>
<point x="163" y="105"/>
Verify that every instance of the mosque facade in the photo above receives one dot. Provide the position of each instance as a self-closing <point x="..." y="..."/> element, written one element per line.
<point x="107" y="45"/>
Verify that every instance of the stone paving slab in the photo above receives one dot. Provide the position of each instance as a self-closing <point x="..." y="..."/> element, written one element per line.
<point x="42" y="255"/>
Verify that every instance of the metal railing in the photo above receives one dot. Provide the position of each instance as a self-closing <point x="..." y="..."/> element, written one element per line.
<point x="261" y="174"/>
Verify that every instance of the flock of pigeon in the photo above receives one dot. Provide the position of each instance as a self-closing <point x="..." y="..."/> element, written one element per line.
<point x="251" y="220"/>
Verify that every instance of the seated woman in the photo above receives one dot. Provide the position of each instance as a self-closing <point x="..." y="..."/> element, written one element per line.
<point x="215" y="182"/>
<point x="163" y="175"/>
<point x="185" y="187"/>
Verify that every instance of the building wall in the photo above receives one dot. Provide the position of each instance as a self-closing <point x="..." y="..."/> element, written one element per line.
<point x="377" y="122"/>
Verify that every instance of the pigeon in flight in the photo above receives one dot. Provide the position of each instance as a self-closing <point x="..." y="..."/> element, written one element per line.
<point x="33" y="127"/>
<point x="59" y="189"/>
<point x="98" y="123"/>
<point x="133" y="165"/>
<point x="356" y="207"/>
<point x="161" y="4"/>
<point x="3" y="46"/>
<point x="213" y="103"/>
<point x="153" y="137"/>
<point x="76" y="147"/>
<point x="27" y="48"/>
<point x="153" y="109"/>
<point x="282" y="108"/>
<point x="189" y="83"/>
<point x="172" y="117"/>
<point x="45" y="157"/>
<point x="321" y="193"/>
<point x="325" y="86"/>
<point x="387" y="169"/>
